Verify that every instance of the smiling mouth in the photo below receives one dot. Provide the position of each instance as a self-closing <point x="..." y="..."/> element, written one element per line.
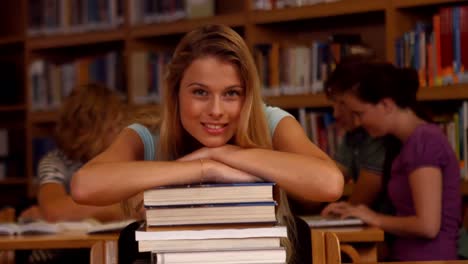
<point x="213" y="126"/>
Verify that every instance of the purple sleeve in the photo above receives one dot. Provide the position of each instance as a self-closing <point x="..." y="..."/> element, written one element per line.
<point x="427" y="149"/>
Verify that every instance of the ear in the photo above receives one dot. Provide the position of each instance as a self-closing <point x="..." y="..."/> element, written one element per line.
<point x="388" y="105"/>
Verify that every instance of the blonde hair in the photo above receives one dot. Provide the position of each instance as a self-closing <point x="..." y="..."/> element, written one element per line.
<point x="86" y="118"/>
<point x="225" y="44"/>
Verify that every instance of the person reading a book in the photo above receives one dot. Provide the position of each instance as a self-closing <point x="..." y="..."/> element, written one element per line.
<point x="364" y="160"/>
<point x="214" y="128"/>
<point x="89" y="119"/>
<point x="424" y="185"/>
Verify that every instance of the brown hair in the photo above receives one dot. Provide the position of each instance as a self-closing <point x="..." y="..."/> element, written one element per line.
<point x="86" y="119"/>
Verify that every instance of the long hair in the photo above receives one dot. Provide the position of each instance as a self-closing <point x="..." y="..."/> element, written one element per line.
<point x="86" y="118"/>
<point x="226" y="45"/>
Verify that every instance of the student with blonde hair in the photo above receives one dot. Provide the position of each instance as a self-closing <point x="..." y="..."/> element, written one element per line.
<point x="89" y="119"/>
<point x="214" y="128"/>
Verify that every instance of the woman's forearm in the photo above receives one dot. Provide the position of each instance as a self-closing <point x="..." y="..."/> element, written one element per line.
<point x="65" y="209"/>
<point x="304" y="177"/>
<point x="105" y="183"/>
<point x="409" y="226"/>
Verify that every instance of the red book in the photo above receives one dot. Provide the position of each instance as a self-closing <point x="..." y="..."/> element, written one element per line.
<point x="464" y="37"/>
<point x="446" y="40"/>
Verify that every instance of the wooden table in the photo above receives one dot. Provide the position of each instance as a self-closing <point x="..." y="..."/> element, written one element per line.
<point x="103" y="246"/>
<point x="359" y="243"/>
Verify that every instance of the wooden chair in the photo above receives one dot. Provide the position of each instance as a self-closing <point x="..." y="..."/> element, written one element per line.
<point x="325" y="247"/>
<point x="7" y="215"/>
<point x="332" y="248"/>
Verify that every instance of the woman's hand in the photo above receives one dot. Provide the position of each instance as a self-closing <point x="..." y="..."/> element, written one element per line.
<point x="347" y="210"/>
<point x="210" y="153"/>
<point x="362" y="212"/>
<point x="335" y="209"/>
<point x="214" y="171"/>
<point x="33" y="213"/>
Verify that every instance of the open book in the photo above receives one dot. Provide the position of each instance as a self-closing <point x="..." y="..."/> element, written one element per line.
<point x="41" y="227"/>
<point x="320" y="221"/>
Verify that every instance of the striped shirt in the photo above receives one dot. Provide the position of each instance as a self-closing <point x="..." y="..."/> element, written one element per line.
<point x="55" y="167"/>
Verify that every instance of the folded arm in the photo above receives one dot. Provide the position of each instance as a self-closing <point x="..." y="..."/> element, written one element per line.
<point x="56" y="205"/>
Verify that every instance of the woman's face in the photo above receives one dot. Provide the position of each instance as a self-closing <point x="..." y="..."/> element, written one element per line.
<point x="342" y="114"/>
<point x="211" y="96"/>
<point x="372" y="117"/>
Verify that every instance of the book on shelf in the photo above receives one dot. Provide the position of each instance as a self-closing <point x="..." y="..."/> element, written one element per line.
<point x="42" y="227"/>
<point x="257" y="212"/>
<point x="209" y="194"/>
<point x="320" y="221"/>
<point x="269" y="255"/>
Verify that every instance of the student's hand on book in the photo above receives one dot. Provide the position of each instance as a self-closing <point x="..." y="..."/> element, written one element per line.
<point x="214" y="171"/>
<point x="335" y="209"/>
<point x="32" y="213"/>
<point x="362" y="212"/>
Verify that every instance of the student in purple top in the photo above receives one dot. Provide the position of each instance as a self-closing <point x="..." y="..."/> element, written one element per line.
<point x="424" y="184"/>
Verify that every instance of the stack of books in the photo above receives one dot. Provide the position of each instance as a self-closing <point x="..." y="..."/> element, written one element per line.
<point x="212" y="223"/>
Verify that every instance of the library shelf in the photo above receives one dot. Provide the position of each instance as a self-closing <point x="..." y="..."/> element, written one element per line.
<point x="321" y="10"/>
<point x="464" y="188"/>
<point x="299" y="100"/>
<point x="41" y="117"/>
<point x="75" y="39"/>
<point x="420" y="3"/>
<point x="12" y="108"/>
<point x="441" y="93"/>
<point x="437" y="93"/>
<point x="11" y="40"/>
<point x="13" y="181"/>
<point x="183" y="26"/>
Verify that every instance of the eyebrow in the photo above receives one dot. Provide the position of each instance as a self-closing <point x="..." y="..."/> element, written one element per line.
<point x="225" y="88"/>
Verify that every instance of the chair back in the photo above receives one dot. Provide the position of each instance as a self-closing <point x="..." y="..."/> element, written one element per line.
<point x="7" y="214"/>
<point x="332" y="248"/>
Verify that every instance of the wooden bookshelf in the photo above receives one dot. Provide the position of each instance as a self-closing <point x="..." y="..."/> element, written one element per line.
<point x="14" y="181"/>
<point x="67" y="40"/>
<point x="300" y="100"/>
<point x="439" y="93"/>
<point x="393" y="17"/>
<point x="12" y="108"/>
<point x="339" y="8"/>
<point x="11" y="40"/>
<point x="450" y="92"/>
<point x="419" y="3"/>
<point x="43" y="117"/>
<point x="182" y="26"/>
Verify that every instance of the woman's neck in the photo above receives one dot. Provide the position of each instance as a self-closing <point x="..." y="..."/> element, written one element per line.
<point x="406" y="121"/>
